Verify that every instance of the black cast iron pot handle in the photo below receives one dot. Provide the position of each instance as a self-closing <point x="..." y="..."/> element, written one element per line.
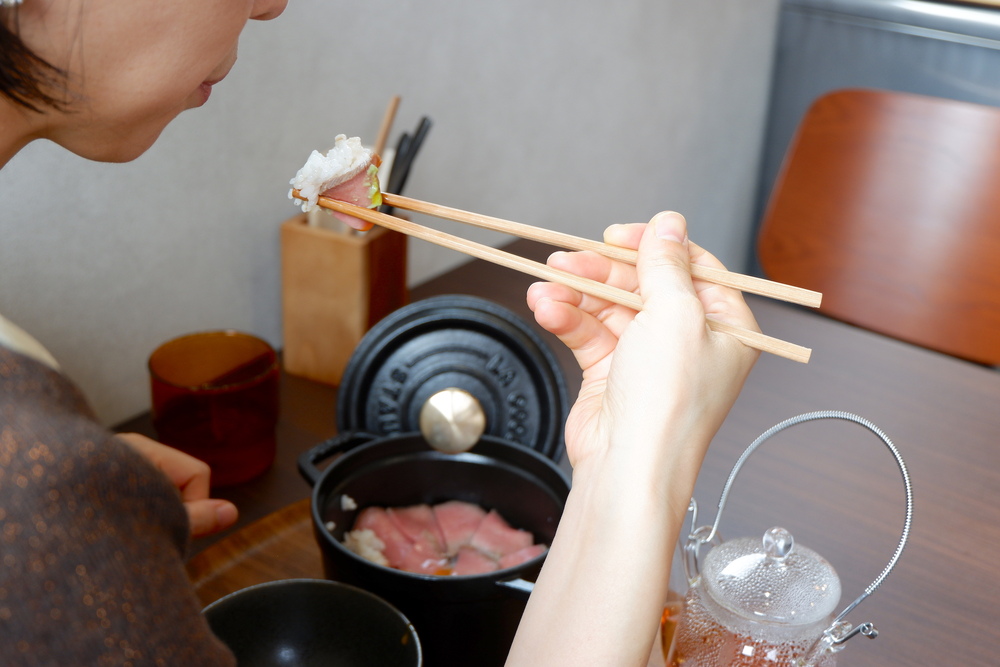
<point x="327" y="449"/>
<point x="517" y="588"/>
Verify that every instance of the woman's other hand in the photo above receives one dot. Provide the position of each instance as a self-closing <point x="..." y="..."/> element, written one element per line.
<point x="191" y="477"/>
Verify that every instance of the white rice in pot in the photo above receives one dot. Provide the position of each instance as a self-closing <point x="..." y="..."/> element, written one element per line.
<point x="366" y="544"/>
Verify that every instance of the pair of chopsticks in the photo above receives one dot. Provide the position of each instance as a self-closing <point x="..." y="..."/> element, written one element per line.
<point x="621" y="297"/>
<point x="759" y="286"/>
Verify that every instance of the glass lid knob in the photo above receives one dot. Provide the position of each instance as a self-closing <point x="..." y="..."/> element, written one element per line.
<point x="778" y="543"/>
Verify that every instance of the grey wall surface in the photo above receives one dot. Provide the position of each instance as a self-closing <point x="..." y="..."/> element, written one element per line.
<point x="571" y="115"/>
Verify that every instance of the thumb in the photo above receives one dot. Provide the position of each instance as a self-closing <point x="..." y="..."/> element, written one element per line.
<point x="664" y="266"/>
<point x="210" y="515"/>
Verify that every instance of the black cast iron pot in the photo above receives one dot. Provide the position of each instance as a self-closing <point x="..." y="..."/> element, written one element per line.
<point x="461" y="620"/>
<point x="478" y="347"/>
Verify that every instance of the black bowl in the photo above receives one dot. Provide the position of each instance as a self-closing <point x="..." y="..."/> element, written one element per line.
<point x="313" y="622"/>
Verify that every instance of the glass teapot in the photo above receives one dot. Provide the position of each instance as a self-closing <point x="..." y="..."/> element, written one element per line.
<point x="769" y="602"/>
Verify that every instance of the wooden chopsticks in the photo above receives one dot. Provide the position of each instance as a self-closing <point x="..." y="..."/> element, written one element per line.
<point x="621" y="297"/>
<point x="751" y="284"/>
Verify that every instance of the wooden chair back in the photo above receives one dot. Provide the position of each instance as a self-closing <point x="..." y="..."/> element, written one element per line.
<point x="889" y="204"/>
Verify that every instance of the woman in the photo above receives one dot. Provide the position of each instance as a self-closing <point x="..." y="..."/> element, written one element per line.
<point x="92" y="536"/>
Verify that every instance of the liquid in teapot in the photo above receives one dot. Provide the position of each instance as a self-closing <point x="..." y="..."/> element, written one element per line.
<point x="702" y="641"/>
<point x="668" y="629"/>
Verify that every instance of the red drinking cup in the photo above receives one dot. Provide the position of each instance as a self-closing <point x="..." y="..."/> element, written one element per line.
<point x="215" y="397"/>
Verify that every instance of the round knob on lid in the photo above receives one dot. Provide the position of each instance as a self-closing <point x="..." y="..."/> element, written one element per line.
<point x="772" y="579"/>
<point x="452" y="421"/>
<point x="778" y="543"/>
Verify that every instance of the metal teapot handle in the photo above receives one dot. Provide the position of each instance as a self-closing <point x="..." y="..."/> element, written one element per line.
<point x="838" y="632"/>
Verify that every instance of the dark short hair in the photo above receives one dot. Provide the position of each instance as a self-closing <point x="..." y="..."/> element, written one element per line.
<point x="25" y="78"/>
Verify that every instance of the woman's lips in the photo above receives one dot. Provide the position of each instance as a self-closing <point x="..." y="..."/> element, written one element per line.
<point x="206" y="86"/>
<point x="205" y="90"/>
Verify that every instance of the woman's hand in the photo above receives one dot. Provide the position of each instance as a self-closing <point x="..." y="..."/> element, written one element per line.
<point x="655" y="371"/>
<point x="191" y="477"/>
<point x="657" y="385"/>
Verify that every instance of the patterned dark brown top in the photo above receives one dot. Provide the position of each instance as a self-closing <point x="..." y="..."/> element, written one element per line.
<point x="92" y="539"/>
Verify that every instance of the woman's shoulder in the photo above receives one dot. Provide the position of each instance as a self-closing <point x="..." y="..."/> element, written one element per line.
<point x="17" y="339"/>
<point x="28" y="385"/>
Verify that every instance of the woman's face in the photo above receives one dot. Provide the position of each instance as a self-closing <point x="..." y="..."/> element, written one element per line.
<point x="134" y="65"/>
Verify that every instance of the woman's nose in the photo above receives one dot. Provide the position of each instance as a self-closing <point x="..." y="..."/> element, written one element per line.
<point x="265" y="10"/>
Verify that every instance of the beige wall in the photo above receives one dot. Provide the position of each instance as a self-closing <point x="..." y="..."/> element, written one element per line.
<point x="570" y="115"/>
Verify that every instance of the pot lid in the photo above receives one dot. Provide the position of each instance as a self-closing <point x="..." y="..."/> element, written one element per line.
<point x="772" y="580"/>
<point x="461" y="342"/>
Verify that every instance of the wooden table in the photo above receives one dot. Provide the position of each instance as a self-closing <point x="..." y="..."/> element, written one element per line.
<point x="832" y="484"/>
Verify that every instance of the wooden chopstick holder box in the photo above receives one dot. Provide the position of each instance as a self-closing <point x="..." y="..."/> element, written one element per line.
<point x="335" y="286"/>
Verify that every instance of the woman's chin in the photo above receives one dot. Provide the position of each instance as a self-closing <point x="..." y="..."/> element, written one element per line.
<point x="123" y="149"/>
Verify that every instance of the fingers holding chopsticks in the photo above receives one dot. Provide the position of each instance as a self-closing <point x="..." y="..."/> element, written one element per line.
<point x="602" y="270"/>
<point x="725" y="308"/>
<point x="557" y="310"/>
<point x="666" y="256"/>
<point x="590" y="326"/>
<point x="721" y="300"/>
